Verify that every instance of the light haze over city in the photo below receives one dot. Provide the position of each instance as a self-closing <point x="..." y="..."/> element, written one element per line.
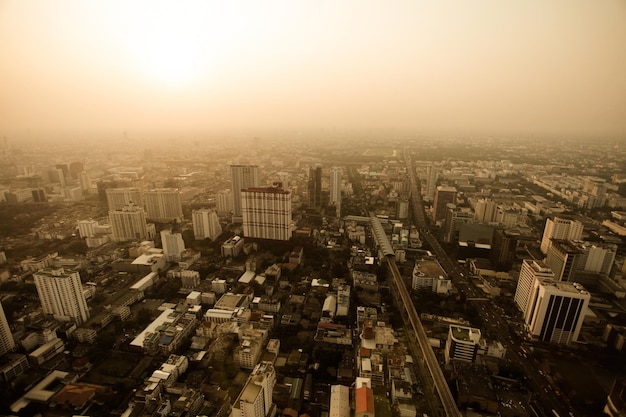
<point x="524" y="69"/>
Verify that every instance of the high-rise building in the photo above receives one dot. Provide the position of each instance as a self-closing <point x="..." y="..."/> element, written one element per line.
<point x="443" y="196"/>
<point x="314" y="188"/>
<point x="559" y="228"/>
<point x="224" y="202"/>
<point x="556" y="310"/>
<point x="564" y="258"/>
<point x="61" y="294"/>
<point x="432" y="175"/>
<point x="129" y="223"/>
<point x="267" y="213"/>
<point x="455" y="217"/>
<point x="84" y="180"/>
<point x="173" y="245"/>
<point x="206" y="224"/>
<point x="529" y="272"/>
<point x="87" y="228"/>
<point x="462" y="344"/>
<point x="503" y="249"/>
<point x="242" y="177"/>
<point x="7" y="343"/>
<point x="485" y="211"/>
<point x="255" y="399"/>
<point x="118" y="198"/>
<point x="339" y="401"/>
<point x="164" y="205"/>
<point x="335" y="188"/>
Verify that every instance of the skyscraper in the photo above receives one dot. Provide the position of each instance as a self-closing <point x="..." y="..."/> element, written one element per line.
<point x="335" y="188"/>
<point x="266" y="213"/>
<point x="564" y="259"/>
<point x="559" y="228"/>
<point x="443" y="196"/>
<point x="314" y="188"/>
<point x="164" y="205"/>
<point x="206" y="224"/>
<point x="556" y="310"/>
<point x="224" y="202"/>
<point x="129" y="223"/>
<point x="61" y="294"/>
<point x="118" y="198"/>
<point x="241" y="177"/>
<point x="7" y="343"/>
<point x="173" y="245"/>
<point x="529" y="272"/>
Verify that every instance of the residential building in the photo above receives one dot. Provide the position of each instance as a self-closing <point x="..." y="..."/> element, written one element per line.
<point x="255" y="399"/>
<point x="559" y="228"/>
<point x="173" y="245"/>
<point x="129" y="223"/>
<point x="7" y="343"/>
<point x="428" y="274"/>
<point x="206" y="224"/>
<point x="224" y="202"/>
<point x="266" y="212"/>
<point x="164" y="205"/>
<point x="118" y="198"/>
<point x="339" y="401"/>
<point x="242" y="177"/>
<point x="61" y="294"/>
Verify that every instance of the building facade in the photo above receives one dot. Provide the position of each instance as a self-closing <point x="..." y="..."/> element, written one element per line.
<point x="129" y="223"/>
<point x="173" y="245"/>
<point x="118" y="198"/>
<point x="241" y="177"/>
<point x="529" y="272"/>
<point x="443" y="197"/>
<point x="266" y="213"/>
<point x="164" y="205"/>
<point x="559" y="228"/>
<point x="61" y="294"/>
<point x="7" y="343"/>
<point x="206" y="224"/>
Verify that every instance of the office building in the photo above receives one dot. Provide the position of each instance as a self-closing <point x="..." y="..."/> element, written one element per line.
<point x="118" y="198"/>
<point x="206" y="224"/>
<point x="335" y="188"/>
<point x="455" y="217"/>
<point x="563" y="229"/>
<point x="267" y="213"/>
<point x="255" y="399"/>
<point x="432" y="174"/>
<point x="7" y="343"/>
<point x="173" y="245"/>
<point x="503" y="249"/>
<point x="129" y="223"/>
<point x="224" y="202"/>
<point x="556" y="310"/>
<point x="564" y="258"/>
<point x="61" y="294"/>
<point x="462" y="343"/>
<point x="529" y="272"/>
<point x="164" y="205"/>
<point x="443" y="197"/>
<point x="314" y="188"/>
<point x="242" y="177"/>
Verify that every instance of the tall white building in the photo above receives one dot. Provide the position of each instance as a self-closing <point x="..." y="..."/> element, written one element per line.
<point x="206" y="224"/>
<point x="556" y="310"/>
<point x="173" y="245"/>
<point x="558" y="228"/>
<point x="266" y="213"/>
<point x="164" y="205"/>
<point x="87" y="228"/>
<point x="118" y="198"/>
<point x="529" y="272"/>
<point x="224" y="201"/>
<point x="335" y="188"/>
<point x="61" y="294"/>
<point x="7" y="343"/>
<point x="255" y="399"/>
<point x="242" y="177"/>
<point x="129" y="223"/>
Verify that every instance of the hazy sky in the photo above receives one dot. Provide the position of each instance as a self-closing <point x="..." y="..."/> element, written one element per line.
<point x="479" y="66"/>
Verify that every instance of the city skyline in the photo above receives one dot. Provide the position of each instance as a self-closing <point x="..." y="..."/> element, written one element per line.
<point x="538" y="68"/>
